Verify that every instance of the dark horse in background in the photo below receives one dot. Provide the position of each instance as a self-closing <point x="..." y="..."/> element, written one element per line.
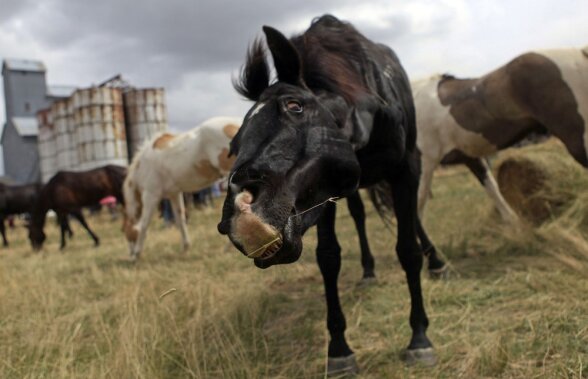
<point x="339" y="116"/>
<point x="67" y="192"/>
<point x="15" y="200"/>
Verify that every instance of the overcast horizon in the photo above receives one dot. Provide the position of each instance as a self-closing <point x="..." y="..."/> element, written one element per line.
<point x="193" y="49"/>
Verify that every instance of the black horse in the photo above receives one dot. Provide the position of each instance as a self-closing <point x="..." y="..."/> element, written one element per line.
<point x="339" y="116"/>
<point x="15" y="200"/>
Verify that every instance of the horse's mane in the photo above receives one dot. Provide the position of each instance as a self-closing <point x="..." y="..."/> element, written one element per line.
<point x="332" y="56"/>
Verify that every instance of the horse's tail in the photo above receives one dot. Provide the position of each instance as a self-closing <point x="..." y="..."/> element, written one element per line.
<point x="381" y="196"/>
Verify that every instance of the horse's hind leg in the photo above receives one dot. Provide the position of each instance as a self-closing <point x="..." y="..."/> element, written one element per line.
<point x="177" y="203"/>
<point x="480" y="168"/>
<point x="437" y="267"/>
<point x="357" y="211"/>
<point x="404" y="196"/>
<point x="80" y="217"/>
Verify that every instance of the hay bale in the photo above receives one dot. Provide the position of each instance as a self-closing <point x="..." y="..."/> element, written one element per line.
<point x="540" y="181"/>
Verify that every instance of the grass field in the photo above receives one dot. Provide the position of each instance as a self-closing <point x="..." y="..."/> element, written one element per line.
<point x="514" y="306"/>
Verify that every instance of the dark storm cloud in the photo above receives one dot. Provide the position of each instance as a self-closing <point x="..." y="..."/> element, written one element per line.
<point x="182" y="35"/>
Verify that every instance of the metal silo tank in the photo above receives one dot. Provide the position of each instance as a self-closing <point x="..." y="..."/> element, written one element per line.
<point x="100" y="132"/>
<point x="46" y="144"/>
<point x="60" y="127"/>
<point x="146" y="115"/>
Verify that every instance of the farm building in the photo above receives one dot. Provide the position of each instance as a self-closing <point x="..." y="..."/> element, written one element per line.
<point x="52" y="128"/>
<point x="25" y="92"/>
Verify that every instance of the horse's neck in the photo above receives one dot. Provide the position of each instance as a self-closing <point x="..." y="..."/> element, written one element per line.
<point x="40" y="209"/>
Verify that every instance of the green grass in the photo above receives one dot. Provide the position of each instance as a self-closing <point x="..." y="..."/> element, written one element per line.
<point x="515" y="305"/>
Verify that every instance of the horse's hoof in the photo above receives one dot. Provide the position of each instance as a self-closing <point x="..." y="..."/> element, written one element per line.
<point x="367" y="281"/>
<point x="439" y="273"/>
<point x="342" y="366"/>
<point x="425" y="357"/>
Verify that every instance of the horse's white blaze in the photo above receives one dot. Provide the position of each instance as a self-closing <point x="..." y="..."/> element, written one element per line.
<point x="188" y="162"/>
<point x="573" y="64"/>
<point x="256" y="110"/>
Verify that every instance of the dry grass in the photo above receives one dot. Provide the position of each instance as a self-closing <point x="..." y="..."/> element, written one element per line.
<point x="515" y="307"/>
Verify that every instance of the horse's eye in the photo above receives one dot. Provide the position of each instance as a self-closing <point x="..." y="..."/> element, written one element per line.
<point x="294" y="106"/>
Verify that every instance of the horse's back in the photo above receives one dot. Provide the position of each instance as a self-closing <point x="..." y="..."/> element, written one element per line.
<point x="189" y="161"/>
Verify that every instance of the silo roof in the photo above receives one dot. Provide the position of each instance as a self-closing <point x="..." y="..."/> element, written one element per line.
<point x="26" y="126"/>
<point x="60" y="91"/>
<point x="23" y="65"/>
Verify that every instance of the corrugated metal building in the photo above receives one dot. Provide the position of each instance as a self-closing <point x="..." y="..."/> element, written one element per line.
<point x="25" y="92"/>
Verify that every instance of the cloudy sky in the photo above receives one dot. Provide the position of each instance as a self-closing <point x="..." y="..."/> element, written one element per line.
<point x="192" y="48"/>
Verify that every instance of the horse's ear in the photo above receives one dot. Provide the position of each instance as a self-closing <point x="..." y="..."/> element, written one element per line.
<point x="286" y="58"/>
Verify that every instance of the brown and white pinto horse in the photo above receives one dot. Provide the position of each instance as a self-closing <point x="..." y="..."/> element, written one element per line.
<point x="465" y="120"/>
<point x="67" y="192"/>
<point x="168" y="165"/>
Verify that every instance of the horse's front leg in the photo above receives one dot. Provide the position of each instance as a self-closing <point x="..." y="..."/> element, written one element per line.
<point x="404" y="192"/>
<point x="328" y="254"/>
<point x="149" y="206"/>
<point x="63" y="226"/>
<point x="177" y="203"/>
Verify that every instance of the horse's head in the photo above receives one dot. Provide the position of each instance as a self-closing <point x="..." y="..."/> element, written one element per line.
<point x="36" y="236"/>
<point x="291" y="156"/>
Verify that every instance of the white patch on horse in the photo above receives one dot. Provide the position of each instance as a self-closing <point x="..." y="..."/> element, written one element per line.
<point x="573" y="65"/>
<point x="256" y="109"/>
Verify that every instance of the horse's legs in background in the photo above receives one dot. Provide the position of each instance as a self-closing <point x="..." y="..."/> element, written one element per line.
<point x="150" y="204"/>
<point x="177" y="203"/>
<point x="63" y="227"/>
<point x="428" y="167"/>
<point x="328" y="256"/>
<point x="68" y="228"/>
<point x="480" y="168"/>
<point x="80" y="217"/>
<point x="3" y="231"/>
<point x="436" y="265"/>
<point x="357" y="211"/>
<point x="404" y="193"/>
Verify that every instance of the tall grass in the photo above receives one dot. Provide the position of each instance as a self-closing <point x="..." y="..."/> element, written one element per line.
<point x="515" y="307"/>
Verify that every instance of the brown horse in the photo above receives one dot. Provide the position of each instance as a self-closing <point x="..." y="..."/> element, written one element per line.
<point x="67" y="192"/>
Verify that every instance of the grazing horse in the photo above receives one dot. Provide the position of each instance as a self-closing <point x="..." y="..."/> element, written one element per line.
<point x="340" y="115"/>
<point x="67" y="192"/>
<point x="461" y="121"/>
<point x="16" y="200"/>
<point x="168" y="165"/>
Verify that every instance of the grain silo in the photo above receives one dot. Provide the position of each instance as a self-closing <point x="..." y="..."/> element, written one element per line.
<point x="100" y="129"/>
<point x="145" y="115"/>
<point x="46" y="145"/>
<point x="63" y="138"/>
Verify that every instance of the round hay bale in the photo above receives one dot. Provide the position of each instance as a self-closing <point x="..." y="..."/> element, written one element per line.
<point x="539" y="181"/>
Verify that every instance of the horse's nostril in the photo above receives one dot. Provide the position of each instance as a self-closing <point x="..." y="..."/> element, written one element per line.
<point x="224" y="227"/>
